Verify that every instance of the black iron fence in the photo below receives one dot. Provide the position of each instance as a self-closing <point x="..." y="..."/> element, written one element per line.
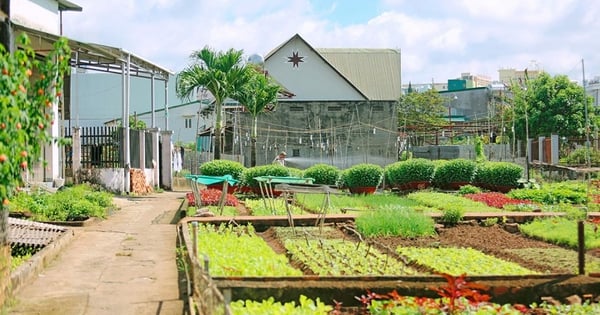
<point x="100" y="147"/>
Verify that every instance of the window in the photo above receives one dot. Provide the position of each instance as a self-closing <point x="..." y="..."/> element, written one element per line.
<point x="295" y="152"/>
<point x="188" y="123"/>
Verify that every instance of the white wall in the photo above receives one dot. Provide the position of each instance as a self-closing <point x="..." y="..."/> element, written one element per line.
<point x="313" y="79"/>
<point x="42" y="15"/>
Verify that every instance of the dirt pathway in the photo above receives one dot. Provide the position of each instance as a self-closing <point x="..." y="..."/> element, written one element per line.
<point x="122" y="265"/>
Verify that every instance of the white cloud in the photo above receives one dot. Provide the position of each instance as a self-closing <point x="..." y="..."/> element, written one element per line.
<point x="438" y="39"/>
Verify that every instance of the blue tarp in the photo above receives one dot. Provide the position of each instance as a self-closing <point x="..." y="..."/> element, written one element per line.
<point x="283" y="180"/>
<point x="210" y="180"/>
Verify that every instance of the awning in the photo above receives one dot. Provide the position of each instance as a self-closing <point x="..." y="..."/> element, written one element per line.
<point x="95" y="56"/>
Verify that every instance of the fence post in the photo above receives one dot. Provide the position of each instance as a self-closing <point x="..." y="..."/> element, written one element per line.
<point x="76" y="154"/>
<point x="142" y="149"/>
<point x="166" y="160"/>
<point x="155" y="158"/>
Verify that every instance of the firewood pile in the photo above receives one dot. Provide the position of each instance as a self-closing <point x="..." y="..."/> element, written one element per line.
<point x="138" y="182"/>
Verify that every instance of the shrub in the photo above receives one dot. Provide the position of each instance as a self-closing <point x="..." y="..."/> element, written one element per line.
<point x="454" y="171"/>
<point x="468" y="189"/>
<point x="413" y="170"/>
<point x="222" y="168"/>
<point x="361" y="175"/>
<point x="553" y="193"/>
<point x="73" y="203"/>
<point x="452" y="215"/>
<point x="578" y="157"/>
<point x="249" y="174"/>
<point x="323" y="174"/>
<point x="493" y="175"/>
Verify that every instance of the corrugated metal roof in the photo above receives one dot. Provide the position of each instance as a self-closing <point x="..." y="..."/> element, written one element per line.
<point x="375" y="72"/>
<point x="30" y="233"/>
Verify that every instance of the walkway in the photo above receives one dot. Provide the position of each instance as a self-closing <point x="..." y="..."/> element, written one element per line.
<point x="122" y="265"/>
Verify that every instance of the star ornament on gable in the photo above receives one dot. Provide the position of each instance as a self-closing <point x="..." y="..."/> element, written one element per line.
<point x="295" y="59"/>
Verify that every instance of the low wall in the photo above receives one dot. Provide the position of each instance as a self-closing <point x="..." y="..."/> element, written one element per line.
<point x="493" y="152"/>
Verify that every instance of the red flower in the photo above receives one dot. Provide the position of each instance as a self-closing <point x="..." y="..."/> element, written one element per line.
<point x="496" y="199"/>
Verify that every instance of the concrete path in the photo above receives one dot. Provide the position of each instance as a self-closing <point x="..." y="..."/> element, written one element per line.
<point x="123" y="265"/>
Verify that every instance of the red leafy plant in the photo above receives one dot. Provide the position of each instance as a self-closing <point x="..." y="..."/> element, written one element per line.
<point x="458" y="287"/>
<point x="452" y="297"/>
<point x="496" y="199"/>
<point x="189" y="196"/>
<point x="211" y="197"/>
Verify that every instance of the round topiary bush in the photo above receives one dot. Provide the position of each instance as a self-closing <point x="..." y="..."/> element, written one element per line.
<point x="264" y="170"/>
<point x="454" y="173"/>
<point x="361" y="175"/>
<point x="409" y="171"/>
<point x="222" y="168"/>
<point x="499" y="176"/>
<point x="323" y="174"/>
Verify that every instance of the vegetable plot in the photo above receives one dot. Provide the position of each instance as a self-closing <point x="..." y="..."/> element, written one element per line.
<point x="238" y="251"/>
<point x="344" y="258"/>
<point x="457" y="261"/>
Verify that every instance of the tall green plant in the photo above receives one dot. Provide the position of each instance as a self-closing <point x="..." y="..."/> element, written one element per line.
<point x="256" y="95"/>
<point x="25" y="113"/>
<point x="221" y="73"/>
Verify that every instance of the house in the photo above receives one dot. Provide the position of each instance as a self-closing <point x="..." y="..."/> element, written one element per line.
<point x="41" y="20"/>
<point x="341" y="109"/>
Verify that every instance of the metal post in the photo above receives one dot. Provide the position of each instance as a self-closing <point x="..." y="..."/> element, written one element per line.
<point x="581" y="246"/>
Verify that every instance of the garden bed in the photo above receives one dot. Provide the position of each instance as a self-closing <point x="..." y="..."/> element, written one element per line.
<point x="550" y="279"/>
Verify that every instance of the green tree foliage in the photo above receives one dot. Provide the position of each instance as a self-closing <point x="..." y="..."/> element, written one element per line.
<point x="221" y="73"/>
<point x="421" y="111"/>
<point x="554" y="105"/>
<point x="25" y="103"/>
<point x="256" y="96"/>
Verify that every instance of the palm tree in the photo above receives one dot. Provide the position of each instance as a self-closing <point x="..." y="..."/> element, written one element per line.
<point x="258" y="93"/>
<point x="221" y="73"/>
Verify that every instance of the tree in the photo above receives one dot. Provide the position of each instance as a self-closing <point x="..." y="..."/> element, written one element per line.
<point x="258" y="93"/>
<point x="25" y="103"/>
<point x="421" y="111"/>
<point x="221" y="73"/>
<point x="551" y="105"/>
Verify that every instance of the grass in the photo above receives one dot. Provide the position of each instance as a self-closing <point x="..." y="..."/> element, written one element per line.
<point x="442" y="201"/>
<point x="561" y="231"/>
<point x="395" y="221"/>
<point x="270" y="206"/>
<point x="342" y="203"/>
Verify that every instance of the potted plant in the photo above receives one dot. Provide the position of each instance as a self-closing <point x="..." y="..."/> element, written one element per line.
<point x="250" y="184"/>
<point x="454" y="174"/>
<point x="222" y="168"/>
<point x="362" y="178"/>
<point x="498" y="176"/>
<point x="410" y="174"/>
<point x="323" y="174"/>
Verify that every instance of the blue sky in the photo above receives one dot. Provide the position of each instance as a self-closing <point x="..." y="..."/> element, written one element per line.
<point x="438" y="39"/>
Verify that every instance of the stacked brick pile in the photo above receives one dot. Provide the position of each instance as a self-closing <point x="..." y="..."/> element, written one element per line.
<point x="138" y="182"/>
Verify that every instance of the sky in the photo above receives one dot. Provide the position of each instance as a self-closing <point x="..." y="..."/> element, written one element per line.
<point x="438" y="39"/>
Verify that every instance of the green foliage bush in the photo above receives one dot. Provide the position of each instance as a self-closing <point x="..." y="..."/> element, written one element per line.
<point x="553" y="193"/>
<point x="468" y="189"/>
<point x="323" y="174"/>
<point x="250" y="173"/>
<point x="222" y="168"/>
<point x="454" y="171"/>
<point x="70" y="204"/>
<point x="493" y="174"/>
<point x="361" y="175"/>
<point x="578" y="157"/>
<point x="452" y="215"/>
<point x="413" y="170"/>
